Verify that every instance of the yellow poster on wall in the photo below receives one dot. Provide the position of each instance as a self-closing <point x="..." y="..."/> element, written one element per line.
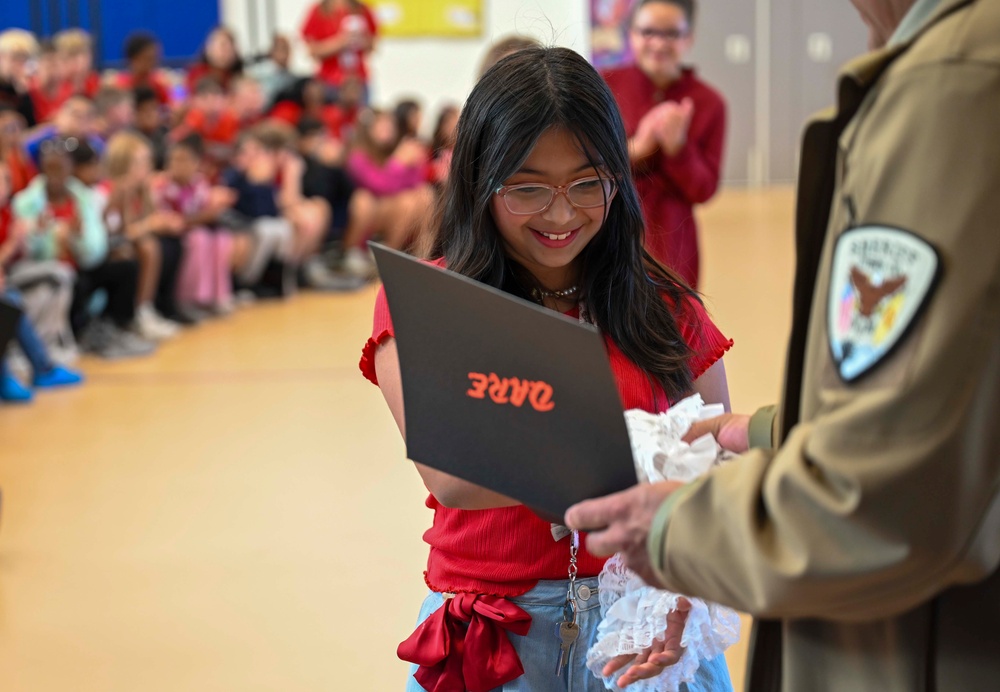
<point x="422" y="18"/>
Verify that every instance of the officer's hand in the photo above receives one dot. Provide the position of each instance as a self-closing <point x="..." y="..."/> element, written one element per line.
<point x="621" y="524"/>
<point x="731" y="430"/>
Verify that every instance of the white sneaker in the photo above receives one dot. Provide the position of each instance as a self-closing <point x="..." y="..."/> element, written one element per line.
<point x="150" y="325"/>
<point x="224" y="307"/>
<point x="358" y="262"/>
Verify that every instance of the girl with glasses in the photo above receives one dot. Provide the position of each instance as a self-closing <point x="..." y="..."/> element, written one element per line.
<point x="540" y="203"/>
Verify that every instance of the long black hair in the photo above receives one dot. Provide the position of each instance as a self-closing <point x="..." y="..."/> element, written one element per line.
<point x="622" y="286"/>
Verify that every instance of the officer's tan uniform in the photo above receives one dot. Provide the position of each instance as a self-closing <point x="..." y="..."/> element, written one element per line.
<point x="868" y="542"/>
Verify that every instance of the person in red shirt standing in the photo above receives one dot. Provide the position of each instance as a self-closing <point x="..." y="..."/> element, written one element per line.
<point x="340" y="34"/>
<point x="676" y="126"/>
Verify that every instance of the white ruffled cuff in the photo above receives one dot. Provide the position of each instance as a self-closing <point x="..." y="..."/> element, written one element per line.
<point x="634" y="613"/>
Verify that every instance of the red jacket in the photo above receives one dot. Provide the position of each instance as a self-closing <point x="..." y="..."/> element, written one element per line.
<point x="669" y="187"/>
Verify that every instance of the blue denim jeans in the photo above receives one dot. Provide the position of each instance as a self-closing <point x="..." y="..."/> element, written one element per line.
<point x="539" y="649"/>
<point x="27" y="339"/>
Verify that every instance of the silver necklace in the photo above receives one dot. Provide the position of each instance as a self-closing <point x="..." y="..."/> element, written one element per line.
<point x="540" y="293"/>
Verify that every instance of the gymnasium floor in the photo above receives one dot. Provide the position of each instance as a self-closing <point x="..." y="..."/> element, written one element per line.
<point x="236" y="513"/>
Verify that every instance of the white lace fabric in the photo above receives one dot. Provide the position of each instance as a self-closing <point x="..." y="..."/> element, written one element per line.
<point x="634" y="613"/>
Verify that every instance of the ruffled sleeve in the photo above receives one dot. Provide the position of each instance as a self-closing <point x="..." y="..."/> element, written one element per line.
<point x="705" y="340"/>
<point x="381" y="331"/>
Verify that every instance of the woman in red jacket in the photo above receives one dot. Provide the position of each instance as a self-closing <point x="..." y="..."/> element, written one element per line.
<point x="676" y="126"/>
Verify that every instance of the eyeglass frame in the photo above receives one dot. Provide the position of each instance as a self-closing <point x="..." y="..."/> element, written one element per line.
<point x="555" y="190"/>
<point x="648" y="34"/>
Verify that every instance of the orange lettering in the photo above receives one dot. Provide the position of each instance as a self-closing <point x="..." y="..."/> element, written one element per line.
<point x="479" y="382"/>
<point x="519" y="391"/>
<point x="498" y="389"/>
<point x="511" y="390"/>
<point x="541" y="396"/>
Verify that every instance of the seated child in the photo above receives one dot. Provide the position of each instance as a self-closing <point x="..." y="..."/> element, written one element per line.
<point x="138" y="230"/>
<point x="204" y="284"/>
<point x="117" y="275"/>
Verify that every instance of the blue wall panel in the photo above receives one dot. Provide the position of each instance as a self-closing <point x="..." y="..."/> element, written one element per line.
<point x="181" y="25"/>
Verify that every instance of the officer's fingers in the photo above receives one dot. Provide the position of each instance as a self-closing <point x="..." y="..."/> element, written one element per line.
<point x="614" y="539"/>
<point x="700" y="428"/>
<point x="599" y="513"/>
<point x="730" y="430"/>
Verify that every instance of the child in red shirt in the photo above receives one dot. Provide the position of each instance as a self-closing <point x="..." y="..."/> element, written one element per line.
<point x="541" y="204"/>
<point x="46" y="84"/>
<point x="142" y="51"/>
<point x="75" y="51"/>
<point x="677" y="127"/>
<point x="211" y="119"/>
<point x="204" y="283"/>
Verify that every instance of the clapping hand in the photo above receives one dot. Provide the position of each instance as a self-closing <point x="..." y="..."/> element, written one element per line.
<point x="672" y="122"/>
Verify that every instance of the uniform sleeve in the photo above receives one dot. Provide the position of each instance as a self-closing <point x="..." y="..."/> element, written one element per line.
<point x="381" y="331"/>
<point x="707" y="343"/>
<point x="888" y="492"/>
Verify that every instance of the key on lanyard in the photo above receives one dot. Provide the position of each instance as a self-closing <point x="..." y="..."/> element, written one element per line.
<point x="569" y="629"/>
<point x="568" y="632"/>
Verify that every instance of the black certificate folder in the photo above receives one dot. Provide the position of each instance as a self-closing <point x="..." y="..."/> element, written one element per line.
<point x="502" y="392"/>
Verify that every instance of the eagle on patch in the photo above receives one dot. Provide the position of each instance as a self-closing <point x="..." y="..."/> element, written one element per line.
<point x="881" y="279"/>
<point x="870" y="295"/>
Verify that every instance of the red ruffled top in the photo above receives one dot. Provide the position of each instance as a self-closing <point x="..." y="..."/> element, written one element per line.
<point x="506" y="551"/>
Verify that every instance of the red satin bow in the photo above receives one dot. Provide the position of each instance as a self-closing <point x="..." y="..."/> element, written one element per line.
<point x="463" y="645"/>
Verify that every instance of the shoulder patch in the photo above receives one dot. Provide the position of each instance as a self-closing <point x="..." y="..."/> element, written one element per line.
<point x="882" y="279"/>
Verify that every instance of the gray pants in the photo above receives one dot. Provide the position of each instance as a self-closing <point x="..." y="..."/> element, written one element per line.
<point x="47" y="290"/>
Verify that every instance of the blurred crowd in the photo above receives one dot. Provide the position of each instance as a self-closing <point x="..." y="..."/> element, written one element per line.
<point x="135" y="202"/>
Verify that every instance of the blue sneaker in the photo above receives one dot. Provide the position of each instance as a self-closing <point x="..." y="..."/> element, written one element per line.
<point x="58" y="376"/>
<point x="14" y="391"/>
